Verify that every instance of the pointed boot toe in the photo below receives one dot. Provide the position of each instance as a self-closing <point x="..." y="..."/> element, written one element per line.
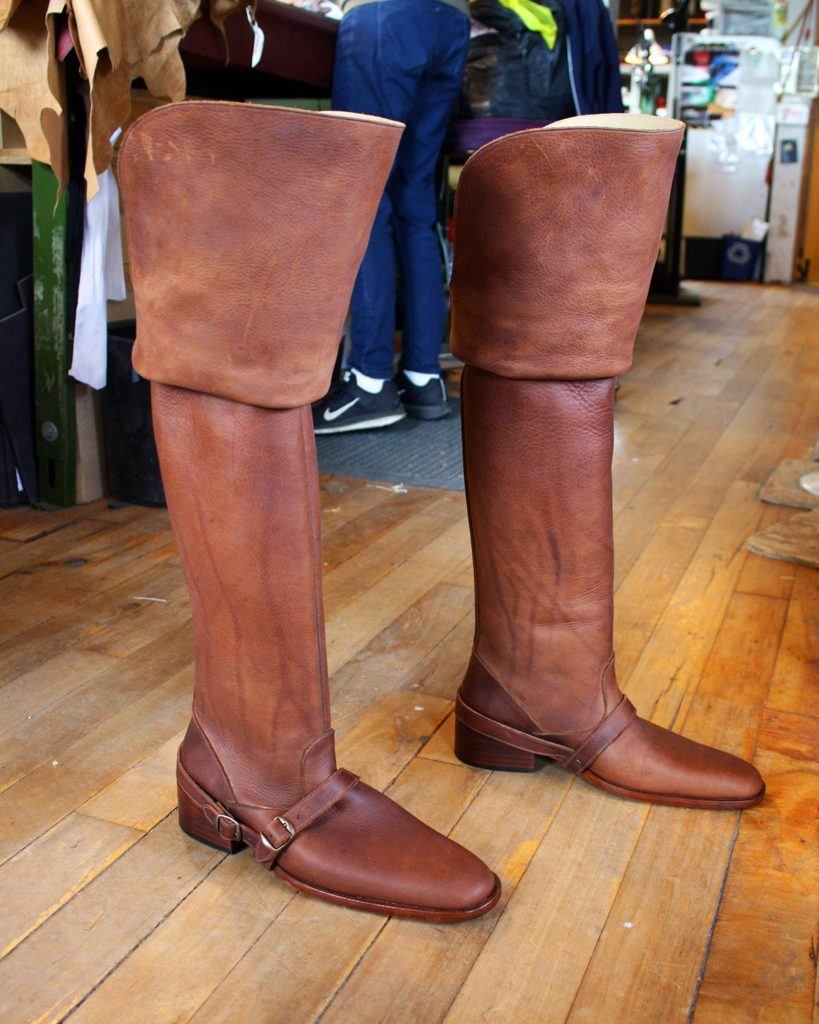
<point x="371" y="854"/>
<point x="647" y="762"/>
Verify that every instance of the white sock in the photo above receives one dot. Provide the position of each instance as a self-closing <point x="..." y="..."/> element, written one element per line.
<point x="420" y="379"/>
<point x="372" y="385"/>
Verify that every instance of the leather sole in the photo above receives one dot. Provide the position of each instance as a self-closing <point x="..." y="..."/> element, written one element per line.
<point x="393" y="909"/>
<point x="480" y="751"/>
<point x="192" y="822"/>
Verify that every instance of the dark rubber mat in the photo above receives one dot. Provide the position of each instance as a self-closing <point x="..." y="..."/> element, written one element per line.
<point x="411" y="452"/>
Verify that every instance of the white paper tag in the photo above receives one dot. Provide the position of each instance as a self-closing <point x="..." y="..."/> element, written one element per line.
<point x="258" y="38"/>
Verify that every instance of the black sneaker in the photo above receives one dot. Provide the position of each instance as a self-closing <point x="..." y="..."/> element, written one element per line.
<point x="349" y="407"/>
<point x="423" y="402"/>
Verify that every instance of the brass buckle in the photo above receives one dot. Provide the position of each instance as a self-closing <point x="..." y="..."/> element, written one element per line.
<point x="285" y="824"/>
<point x="237" y="828"/>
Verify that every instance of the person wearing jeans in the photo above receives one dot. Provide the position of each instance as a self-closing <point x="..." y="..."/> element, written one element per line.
<point x="404" y="60"/>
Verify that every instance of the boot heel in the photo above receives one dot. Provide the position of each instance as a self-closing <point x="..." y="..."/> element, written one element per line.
<point x="483" y="752"/>
<point x="193" y="822"/>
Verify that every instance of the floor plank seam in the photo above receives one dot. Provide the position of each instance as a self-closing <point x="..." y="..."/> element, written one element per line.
<point x="21" y="637"/>
<point x="693" y="688"/>
<point x="48" y="707"/>
<point x="764" y="703"/>
<point x="609" y="912"/>
<point x="569" y="783"/>
<point x="478" y="790"/>
<point x="669" y="457"/>
<point x="25" y="846"/>
<point x="51" y="911"/>
<point x="148" y="934"/>
<point x="724" y="882"/>
<point x="686" y="701"/>
<point x="40" y="536"/>
<point x="712" y="929"/>
<point x="291" y="898"/>
<point x="76" y="604"/>
<point x="76" y="808"/>
<point x="411" y="671"/>
<point x="326" y="1008"/>
<point x="42" y="711"/>
<point x="82" y="888"/>
<point x="790" y="713"/>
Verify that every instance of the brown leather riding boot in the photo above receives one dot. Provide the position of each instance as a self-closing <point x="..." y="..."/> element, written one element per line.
<point x="557" y="231"/>
<point x="246" y="228"/>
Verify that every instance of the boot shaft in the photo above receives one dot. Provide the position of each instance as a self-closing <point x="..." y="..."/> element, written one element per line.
<point x="556" y="235"/>
<point x="246" y="225"/>
<point x="242" y="487"/>
<point x="537" y="463"/>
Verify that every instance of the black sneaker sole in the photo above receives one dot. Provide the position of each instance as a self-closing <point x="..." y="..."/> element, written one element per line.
<point x="374" y="422"/>
<point x="427" y="412"/>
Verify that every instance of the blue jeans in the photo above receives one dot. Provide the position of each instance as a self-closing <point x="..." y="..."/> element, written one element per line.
<point x="402" y="59"/>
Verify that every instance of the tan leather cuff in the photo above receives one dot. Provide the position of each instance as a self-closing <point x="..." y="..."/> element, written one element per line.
<point x="246" y="226"/>
<point x="557" y="232"/>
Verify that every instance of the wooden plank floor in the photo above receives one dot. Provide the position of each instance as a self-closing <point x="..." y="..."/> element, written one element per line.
<point x="612" y="911"/>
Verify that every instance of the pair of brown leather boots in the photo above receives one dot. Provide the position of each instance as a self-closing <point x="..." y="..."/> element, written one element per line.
<point x="246" y="227"/>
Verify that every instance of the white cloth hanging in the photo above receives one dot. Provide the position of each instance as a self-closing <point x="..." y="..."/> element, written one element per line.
<point x="102" y="277"/>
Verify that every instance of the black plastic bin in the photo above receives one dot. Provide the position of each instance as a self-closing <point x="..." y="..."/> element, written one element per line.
<point x="133" y="466"/>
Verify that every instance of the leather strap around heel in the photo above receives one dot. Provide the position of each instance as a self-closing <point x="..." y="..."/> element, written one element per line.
<point x="281" y="829"/>
<point x="574" y="759"/>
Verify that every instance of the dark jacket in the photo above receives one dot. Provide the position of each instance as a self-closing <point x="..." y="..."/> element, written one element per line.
<point x="594" y="63"/>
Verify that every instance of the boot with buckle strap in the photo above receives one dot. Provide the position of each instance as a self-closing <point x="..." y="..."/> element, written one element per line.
<point x="246" y="226"/>
<point x="548" y="288"/>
